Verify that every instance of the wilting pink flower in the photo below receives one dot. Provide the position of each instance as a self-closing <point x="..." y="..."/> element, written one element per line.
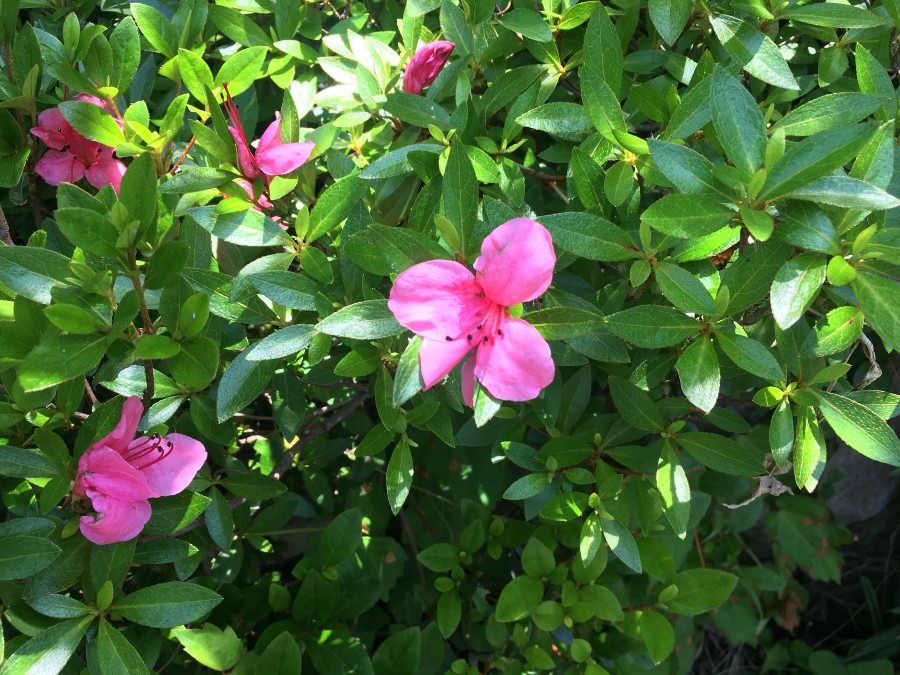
<point x="71" y="156"/>
<point x="457" y="312"/>
<point x="119" y="473"/>
<point x="272" y="157"/>
<point x="425" y="65"/>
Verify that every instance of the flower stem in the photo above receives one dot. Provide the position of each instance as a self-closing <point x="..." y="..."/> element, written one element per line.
<point x="148" y="324"/>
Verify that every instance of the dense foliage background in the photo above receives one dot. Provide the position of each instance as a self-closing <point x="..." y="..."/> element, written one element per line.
<point x="718" y="178"/>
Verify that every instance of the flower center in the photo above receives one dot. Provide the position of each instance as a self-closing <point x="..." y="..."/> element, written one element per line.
<point x="488" y="329"/>
<point x="153" y="448"/>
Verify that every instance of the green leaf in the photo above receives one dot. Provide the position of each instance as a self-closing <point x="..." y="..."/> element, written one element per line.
<point x="210" y="646"/>
<point x="449" y="612"/>
<point x="48" y="652"/>
<point x="750" y="277"/>
<point x="837" y="331"/>
<point x="795" y="287"/>
<point x="589" y="236"/>
<point x="738" y="122"/>
<point x="92" y="122"/>
<point x="283" y="342"/>
<point x="416" y="110"/>
<point x="562" y="323"/>
<point x="195" y="74"/>
<point x="669" y="18"/>
<point x="59" y="359"/>
<point x="399" y="654"/>
<point x="621" y="543"/>
<point x="156" y="28"/>
<point x="241" y="69"/>
<point x="537" y="560"/>
<point x="602" y="42"/>
<point x="683" y="289"/>
<point x="781" y="433"/>
<point x="687" y="216"/>
<point x="116" y="654"/>
<point x="675" y="490"/>
<point x="528" y="23"/>
<point x="238" y="27"/>
<point x="814" y="157"/>
<point x="126" y="45"/>
<point x="408" y="379"/>
<point x="460" y="194"/>
<point x="566" y="120"/>
<point x="20" y="463"/>
<point x="698" y="370"/>
<point x="396" y="162"/>
<point x="89" y="230"/>
<point x="457" y="30"/>
<point x="173" y="513"/>
<point x="750" y="355"/>
<point x="508" y="87"/>
<point x="657" y="634"/>
<point x="601" y="104"/>
<point x="879" y="298"/>
<point x="341" y="538"/>
<point x="652" y="326"/>
<point x="33" y="272"/>
<point x="846" y="192"/>
<point x="720" y="453"/>
<point x="440" y="557"/>
<point x="334" y="205"/>
<point x="518" y="598"/>
<point x="243" y="380"/>
<point x="873" y="79"/>
<point x="290" y="289"/>
<point x="635" y="405"/>
<point x="282" y="656"/>
<point x="138" y="191"/>
<point x="399" y="476"/>
<point x="756" y="52"/>
<point x="22" y="555"/>
<point x="809" y="446"/>
<point x="860" y="428"/>
<point x="168" y="604"/>
<point x="689" y="171"/>
<point x="367" y="320"/>
<point x="701" y="590"/>
<point x="219" y="521"/>
<point x="883" y="403"/>
<point x="197" y="364"/>
<point x="827" y="112"/>
<point x="833" y="15"/>
<point x="527" y="486"/>
<point x="246" y="227"/>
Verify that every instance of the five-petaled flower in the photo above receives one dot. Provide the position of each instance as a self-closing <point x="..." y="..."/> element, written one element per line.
<point x="119" y="473"/>
<point x="272" y="157"/>
<point x="456" y="312"/>
<point x="71" y="156"/>
<point x="425" y="65"/>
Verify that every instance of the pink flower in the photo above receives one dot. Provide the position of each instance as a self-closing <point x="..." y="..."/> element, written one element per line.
<point x="71" y="156"/>
<point x="425" y="65"/>
<point x="457" y="313"/>
<point x="119" y="473"/>
<point x="272" y="157"/>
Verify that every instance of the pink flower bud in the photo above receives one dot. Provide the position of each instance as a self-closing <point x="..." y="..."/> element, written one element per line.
<point x="425" y="65"/>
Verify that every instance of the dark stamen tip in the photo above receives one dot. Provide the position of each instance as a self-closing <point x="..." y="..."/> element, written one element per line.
<point x="469" y="338"/>
<point x="485" y="339"/>
<point x="478" y="327"/>
<point x="448" y="338"/>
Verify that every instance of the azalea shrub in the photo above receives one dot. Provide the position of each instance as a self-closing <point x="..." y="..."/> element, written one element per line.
<point x="441" y="336"/>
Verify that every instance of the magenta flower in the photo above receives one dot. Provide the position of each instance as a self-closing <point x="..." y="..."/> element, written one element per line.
<point x="425" y="65"/>
<point x="272" y="157"/>
<point x="456" y="313"/>
<point x="71" y="156"/>
<point x="119" y="473"/>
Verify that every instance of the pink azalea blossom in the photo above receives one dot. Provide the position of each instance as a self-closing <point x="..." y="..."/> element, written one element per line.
<point x="456" y="312"/>
<point x="425" y="65"/>
<point x="272" y="157"/>
<point x="119" y="473"/>
<point x="71" y="156"/>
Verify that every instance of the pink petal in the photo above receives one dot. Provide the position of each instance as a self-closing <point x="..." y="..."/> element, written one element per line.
<point x="425" y="65"/>
<point x="106" y="171"/>
<point x="52" y="128"/>
<point x="277" y="160"/>
<point x="468" y="382"/>
<point x="57" y="167"/>
<point x="438" y="357"/>
<point x="116" y="520"/>
<point x="175" y="471"/>
<point x="271" y="137"/>
<point x="516" y="365"/>
<point x="124" y="432"/>
<point x="516" y="262"/>
<point x="437" y="299"/>
<point x="103" y="470"/>
<point x="246" y="160"/>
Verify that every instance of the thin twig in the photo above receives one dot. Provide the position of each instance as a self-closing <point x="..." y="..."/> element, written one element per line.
<point x="184" y="155"/>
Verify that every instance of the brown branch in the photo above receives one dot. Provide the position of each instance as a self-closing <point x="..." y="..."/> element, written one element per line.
<point x="183" y="155"/>
<point x="5" y="235"/>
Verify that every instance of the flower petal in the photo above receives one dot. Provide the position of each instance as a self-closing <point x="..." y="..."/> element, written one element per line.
<point x="106" y="171"/>
<point x="116" y="520"/>
<point x="175" y="471"/>
<point x="516" y="365"/>
<point x="52" y="128"/>
<point x="246" y="161"/>
<point x="57" y="167"/>
<point x="103" y="470"/>
<point x="425" y="65"/>
<point x="438" y="357"/>
<point x="278" y="160"/>
<point x="437" y="299"/>
<point x="516" y="262"/>
<point x="124" y="432"/>
<point x="271" y="137"/>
